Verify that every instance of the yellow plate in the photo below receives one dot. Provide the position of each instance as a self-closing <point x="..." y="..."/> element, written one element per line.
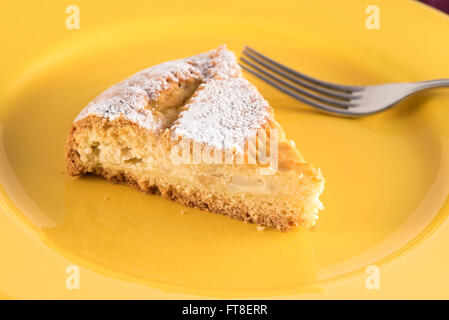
<point x="387" y="175"/>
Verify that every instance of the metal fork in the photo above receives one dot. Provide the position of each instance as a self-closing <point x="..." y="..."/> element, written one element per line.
<point x="330" y="97"/>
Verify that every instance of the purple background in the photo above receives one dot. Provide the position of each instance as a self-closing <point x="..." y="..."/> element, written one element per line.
<point x="443" y="5"/>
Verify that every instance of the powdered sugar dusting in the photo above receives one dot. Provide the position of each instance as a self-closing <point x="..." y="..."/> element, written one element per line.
<point x="223" y="113"/>
<point x="225" y="110"/>
<point x="130" y="97"/>
<point x="156" y="79"/>
<point x="218" y="64"/>
<point x="127" y="102"/>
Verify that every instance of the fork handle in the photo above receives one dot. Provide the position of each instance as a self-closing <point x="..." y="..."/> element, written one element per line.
<point x="422" y="85"/>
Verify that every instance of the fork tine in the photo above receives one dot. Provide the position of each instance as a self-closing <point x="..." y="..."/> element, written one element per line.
<point x="324" y="107"/>
<point x="301" y="75"/>
<point x="322" y="90"/>
<point x="341" y="103"/>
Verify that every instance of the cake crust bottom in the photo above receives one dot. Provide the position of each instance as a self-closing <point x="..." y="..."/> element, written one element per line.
<point x="264" y="215"/>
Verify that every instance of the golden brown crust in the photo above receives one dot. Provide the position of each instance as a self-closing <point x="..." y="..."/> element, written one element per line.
<point x="73" y="162"/>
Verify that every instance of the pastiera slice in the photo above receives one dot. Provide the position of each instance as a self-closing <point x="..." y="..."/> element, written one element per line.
<point x="195" y="131"/>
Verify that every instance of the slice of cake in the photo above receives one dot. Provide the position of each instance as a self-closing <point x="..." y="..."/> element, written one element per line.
<point x="195" y="131"/>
